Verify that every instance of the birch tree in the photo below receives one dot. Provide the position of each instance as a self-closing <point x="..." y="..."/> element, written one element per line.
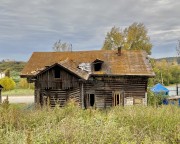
<point x="134" y="37"/>
<point x="60" y="46"/>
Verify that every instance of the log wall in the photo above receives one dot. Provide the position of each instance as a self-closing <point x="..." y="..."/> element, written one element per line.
<point x="102" y="88"/>
<point x="47" y="80"/>
<point x="57" y="96"/>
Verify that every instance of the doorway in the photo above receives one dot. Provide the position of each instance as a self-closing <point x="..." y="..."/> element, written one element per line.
<point x="90" y="100"/>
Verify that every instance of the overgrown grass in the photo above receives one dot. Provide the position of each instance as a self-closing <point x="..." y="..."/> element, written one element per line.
<point x="18" y="92"/>
<point x="73" y="125"/>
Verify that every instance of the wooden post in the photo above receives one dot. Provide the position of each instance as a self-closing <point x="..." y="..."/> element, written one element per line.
<point x="0" y="97"/>
<point x="82" y="94"/>
<point x="1" y="87"/>
<point x="145" y="99"/>
<point x="37" y="96"/>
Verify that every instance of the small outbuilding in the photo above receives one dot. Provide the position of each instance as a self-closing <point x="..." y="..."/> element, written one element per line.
<point x="160" y="89"/>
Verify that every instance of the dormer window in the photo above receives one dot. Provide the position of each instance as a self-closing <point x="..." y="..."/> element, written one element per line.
<point x="97" y="65"/>
<point x="57" y="72"/>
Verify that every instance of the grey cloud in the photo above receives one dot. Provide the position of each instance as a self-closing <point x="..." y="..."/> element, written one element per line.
<point x="37" y="24"/>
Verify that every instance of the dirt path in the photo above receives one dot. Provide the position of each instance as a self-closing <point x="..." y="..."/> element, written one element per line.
<point x="20" y="99"/>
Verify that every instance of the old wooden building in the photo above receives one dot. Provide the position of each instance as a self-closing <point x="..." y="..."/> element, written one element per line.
<point x="97" y="79"/>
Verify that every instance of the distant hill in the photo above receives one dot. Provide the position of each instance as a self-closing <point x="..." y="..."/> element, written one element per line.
<point x="170" y="59"/>
<point x="11" y="65"/>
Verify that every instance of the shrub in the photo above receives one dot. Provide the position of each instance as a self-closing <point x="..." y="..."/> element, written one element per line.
<point x="155" y="99"/>
<point x="15" y="75"/>
<point x="24" y="84"/>
<point x="7" y="83"/>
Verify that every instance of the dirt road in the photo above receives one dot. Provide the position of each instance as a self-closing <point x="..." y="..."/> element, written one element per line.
<point x="20" y="99"/>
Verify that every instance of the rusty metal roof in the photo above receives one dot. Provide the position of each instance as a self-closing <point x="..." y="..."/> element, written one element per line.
<point x="132" y="62"/>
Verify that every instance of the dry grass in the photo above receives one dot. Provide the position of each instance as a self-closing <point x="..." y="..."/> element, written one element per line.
<point x="74" y="125"/>
<point x="18" y="92"/>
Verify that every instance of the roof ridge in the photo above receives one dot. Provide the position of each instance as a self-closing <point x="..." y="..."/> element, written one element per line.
<point x="88" y="51"/>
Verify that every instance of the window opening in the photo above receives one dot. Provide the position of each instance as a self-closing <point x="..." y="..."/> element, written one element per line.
<point x="117" y="99"/>
<point x="57" y="72"/>
<point x="97" y="66"/>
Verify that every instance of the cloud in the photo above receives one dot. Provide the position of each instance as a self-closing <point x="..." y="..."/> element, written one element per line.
<point x="37" y="24"/>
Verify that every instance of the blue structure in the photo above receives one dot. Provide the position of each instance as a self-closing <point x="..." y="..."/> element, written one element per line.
<point x="174" y="100"/>
<point x="160" y="89"/>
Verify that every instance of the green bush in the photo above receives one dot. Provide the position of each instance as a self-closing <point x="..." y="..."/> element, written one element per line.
<point x="7" y="83"/>
<point x="155" y="99"/>
<point x="15" y="75"/>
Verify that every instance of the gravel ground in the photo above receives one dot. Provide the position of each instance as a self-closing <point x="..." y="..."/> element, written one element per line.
<point x="20" y="99"/>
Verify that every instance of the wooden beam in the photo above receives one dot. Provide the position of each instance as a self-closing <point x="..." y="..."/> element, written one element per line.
<point x="82" y="94"/>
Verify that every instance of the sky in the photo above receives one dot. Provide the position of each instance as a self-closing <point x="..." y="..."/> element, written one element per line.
<point x="35" y="25"/>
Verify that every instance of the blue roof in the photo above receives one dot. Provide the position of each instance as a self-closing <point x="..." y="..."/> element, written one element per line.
<point x="159" y="88"/>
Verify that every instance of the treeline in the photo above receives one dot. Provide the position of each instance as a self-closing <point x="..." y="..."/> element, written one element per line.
<point x="170" y="59"/>
<point x="167" y="72"/>
<point x="12" y="65"/>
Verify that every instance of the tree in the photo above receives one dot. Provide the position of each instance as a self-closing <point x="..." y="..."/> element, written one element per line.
<point x="166" y="72"/>
<point x="7" y="83"/>
<point x="60" y="46"/>
<point x="175" y="71"/>
<point x="132" y="38"/>
<point x="7" y="72"/>
<point x="113" y="39"/>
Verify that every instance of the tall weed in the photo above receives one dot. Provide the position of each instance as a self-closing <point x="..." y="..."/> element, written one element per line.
<point x="71" y="124"/>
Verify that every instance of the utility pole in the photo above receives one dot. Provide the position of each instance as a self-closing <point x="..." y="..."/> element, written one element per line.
<point x="177" y="89"/>
<point x="178" y="48"/>
<point x="178" y="54"/>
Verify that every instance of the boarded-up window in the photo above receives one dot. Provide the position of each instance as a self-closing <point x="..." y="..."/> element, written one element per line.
<point x="138" y="101"/>
<point x="128" y="101"/>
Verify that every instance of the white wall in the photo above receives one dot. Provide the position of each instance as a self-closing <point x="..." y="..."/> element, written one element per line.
<point x="2" y="75"/>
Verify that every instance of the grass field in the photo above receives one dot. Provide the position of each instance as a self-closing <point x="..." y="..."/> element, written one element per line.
<point x="18" y="92"/>
<point x="138" y="124"/>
